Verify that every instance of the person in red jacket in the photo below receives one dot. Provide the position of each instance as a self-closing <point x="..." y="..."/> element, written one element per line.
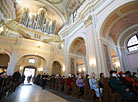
<point x="70" y="82"/>
<point x="123" y="79"/>
<point x="128" y="77"/>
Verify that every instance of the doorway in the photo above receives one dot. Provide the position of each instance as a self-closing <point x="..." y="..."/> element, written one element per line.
<point x="29" y="73"/>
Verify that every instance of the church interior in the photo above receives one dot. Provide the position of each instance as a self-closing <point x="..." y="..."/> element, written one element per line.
<point x="69" y="50"/>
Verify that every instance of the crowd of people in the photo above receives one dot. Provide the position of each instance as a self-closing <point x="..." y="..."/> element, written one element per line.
<point x="124" y="83"/>
<point x="8" y="84"/>
<point x="16" y="76"/>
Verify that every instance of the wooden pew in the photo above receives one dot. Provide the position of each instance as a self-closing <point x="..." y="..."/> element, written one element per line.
<point x="108" y="96"/>
<point x="88" y="93"/>
<point x="53" y="83"/>
<point x="57" y="82"/>
<point x="61" y="85"/>
<point x="66" y="87"/>
<point x="75" y="91"/>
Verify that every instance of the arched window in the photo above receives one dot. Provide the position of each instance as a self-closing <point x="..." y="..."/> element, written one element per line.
<point x="32" y="60"/>
<point x="132" y="44"/>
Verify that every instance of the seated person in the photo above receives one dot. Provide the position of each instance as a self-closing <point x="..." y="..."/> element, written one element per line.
<point x="135" y="76"/>
<point x="16" y="76"/>
<point x="127" y="83"/>
<point x="119" y="87"/>
<point x="62" y="82"/>
<point x="129" y="78"/>
<point x="80" y="83"/>
<point x="2" y="72"/>
<point x="4" y="75"/>
<point x="70" y="82"/>
<point x="101" y="81"/>
<point x="94" y="84"/>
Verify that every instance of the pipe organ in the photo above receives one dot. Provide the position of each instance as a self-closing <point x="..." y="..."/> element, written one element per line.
<point x="38" y="21"/>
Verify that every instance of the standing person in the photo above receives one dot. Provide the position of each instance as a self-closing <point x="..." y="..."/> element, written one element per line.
<point x="70" y="82"/>
<point x="62" y="82"/>
<point x="2" y="72"/>
<point x="23" y="78"/>
<point x="80" y="83"/>
<point x="37" y="80"/>
<point x="29" y="78"/>
<point x="119" y="87"/>
<point x="44" y="79"/>
<point x="77" y="75"/>
<point x="16" y="79"/>
<point x="94" y="84"/>
<point x="16" y="76"/>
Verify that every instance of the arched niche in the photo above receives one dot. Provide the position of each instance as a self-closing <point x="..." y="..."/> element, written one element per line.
<point x="5" y="58"/>
<point x="77" y="50"/>
<point x="56" y="68"/>
<point x="115" y="59"/>
<point x="80" y="67"/>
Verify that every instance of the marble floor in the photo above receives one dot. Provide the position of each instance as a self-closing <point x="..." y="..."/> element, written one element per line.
<point x="33" y="93"/>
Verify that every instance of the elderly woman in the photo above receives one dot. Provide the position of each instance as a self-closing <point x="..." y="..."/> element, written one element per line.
<point x="94" y="84"/>
<point x="80" y="83"/>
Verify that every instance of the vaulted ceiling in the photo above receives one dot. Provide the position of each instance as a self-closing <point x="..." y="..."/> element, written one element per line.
<point x="121" y="19"/>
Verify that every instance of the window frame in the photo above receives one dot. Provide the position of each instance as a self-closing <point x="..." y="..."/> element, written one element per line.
<point x="32" y="59"/>
<point x="132" y="45"/>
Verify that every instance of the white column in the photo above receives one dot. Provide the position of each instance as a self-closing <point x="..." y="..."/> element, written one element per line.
<point x="99" y="51"/>
<point x="75" y="65"/>
<point x="44" y="68"/>
<point x="86" y="66"/>
<point x="90" y="48"/>
<point x="12" y="63"/>
<point x="66" y="58"/>
<point x="124" y="59"/>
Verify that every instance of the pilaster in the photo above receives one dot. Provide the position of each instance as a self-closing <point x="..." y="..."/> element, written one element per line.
<point x="12" y="63"/>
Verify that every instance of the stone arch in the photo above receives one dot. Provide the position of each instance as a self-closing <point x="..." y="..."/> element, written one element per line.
<point x="122" y="49"/>
<point x="81" y="35"/>
<point x="77" y="50"/>
<point x="126" y="34"/>
<point x="118" y="11"/>
<point x="4" y="62"/>
<point x="6" y="52"/>
<point x="32" y="55"/>
<point x="41" y="68"/>
<point x="56" y="67"/>
<point x="60" y="61"/>
<point x="78" y="46"/>
<point x="123" y="24"/>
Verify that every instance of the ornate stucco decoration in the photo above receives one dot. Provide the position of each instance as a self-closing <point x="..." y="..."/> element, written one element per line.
<point x="14" y="29"/>
<point x="88" y="21"/>
<point x="55" y="1"/>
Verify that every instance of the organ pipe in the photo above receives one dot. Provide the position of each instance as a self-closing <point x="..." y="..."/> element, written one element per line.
<point x="38" y="21"/>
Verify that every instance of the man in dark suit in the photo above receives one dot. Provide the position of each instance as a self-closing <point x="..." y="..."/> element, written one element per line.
<point x="44" y="79"/>
<point x="119" y="87"/>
